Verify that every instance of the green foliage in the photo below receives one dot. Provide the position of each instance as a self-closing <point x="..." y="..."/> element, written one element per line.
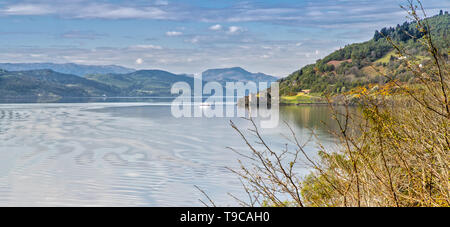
<point x="347" y="70"/>
<point x="47" y="83"/>
<point x="393" y="150"/>
<point x="53" y="86"/>
<point x="302" y="98"/>
<point x="143" y="83"/>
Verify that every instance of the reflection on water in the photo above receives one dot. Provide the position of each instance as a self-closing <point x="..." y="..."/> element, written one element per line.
<point x="114" y="154"/>
<point x="317" y="117"/>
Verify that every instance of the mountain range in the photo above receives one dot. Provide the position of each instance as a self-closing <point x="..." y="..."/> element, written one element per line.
<point x="142" y="82"/>
<point x="69" y="68"/>
<point x="235" y="74"/>
<point x="49" y="85"/>
<point x="354" y="65"/>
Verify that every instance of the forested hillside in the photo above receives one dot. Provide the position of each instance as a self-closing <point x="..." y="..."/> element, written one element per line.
<point x="143" y="82"/>
<point x="69" y="68"/>
<point x="49" y="85"/>
<point x="235" y="74"/>
<point x="359" y="64"/>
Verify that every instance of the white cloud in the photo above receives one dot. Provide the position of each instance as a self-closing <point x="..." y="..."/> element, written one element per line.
<point x="27" y="9"/>
<point x="174" y="33"/>
<point x="216" y="27"/>
<point x="213" y="48"/>
<point x="194" y="40"/>
<point x="277" y="61"/>
<point x="155" y="47"/>
<point x="161" y="2"/>
<point x="315" y="13"/>
<point x="85" y="9"/>
<point x="107" y="11"/>
<point x="139" y="61"/>
<point x="81" y="35"/>
<point x="235" y="29"/>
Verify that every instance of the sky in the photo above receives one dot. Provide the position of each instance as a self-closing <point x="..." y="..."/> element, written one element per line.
<point x="275" y="37"/>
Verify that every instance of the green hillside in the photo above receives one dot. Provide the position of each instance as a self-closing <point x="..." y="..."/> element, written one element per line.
<point x="143" y="83"/>
<point x="357" y="64"/>
<point x="49" y="85"/>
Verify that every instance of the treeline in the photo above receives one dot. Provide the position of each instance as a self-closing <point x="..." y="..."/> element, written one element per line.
<point x="400" y="33"/>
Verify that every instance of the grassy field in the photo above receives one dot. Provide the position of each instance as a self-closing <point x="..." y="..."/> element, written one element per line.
<point x="386" y="57"/>
<point x="302" y="98"/>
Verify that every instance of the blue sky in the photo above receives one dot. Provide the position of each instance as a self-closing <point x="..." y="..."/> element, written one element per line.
<point x="190" y="36"/>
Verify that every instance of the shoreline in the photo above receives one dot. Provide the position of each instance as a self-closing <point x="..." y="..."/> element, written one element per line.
<point x="303" y="104"/>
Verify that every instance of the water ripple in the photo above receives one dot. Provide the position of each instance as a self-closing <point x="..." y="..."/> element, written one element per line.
<point x="113" y="155"/>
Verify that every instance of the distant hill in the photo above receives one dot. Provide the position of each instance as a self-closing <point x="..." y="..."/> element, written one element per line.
<point x="49" y="85"/>
<point x="143" y="82"/>
<point x="357" y="64"/>
<point x="69" y="68"/>
<point x="235" y="74"/>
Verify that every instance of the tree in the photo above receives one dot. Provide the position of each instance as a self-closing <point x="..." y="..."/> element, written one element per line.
<point x="377" y="35"/>
<point x="395" y="151"/>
